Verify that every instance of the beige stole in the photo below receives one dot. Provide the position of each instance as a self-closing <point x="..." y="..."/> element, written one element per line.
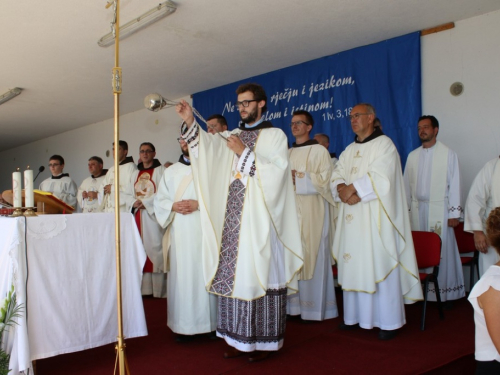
<point x="311" y="208"/>
<point x="166" y="242"/>
<point x="439" y="176"/>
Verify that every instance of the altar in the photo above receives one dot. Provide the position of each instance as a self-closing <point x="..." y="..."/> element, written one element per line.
<point x="63" y="271"/>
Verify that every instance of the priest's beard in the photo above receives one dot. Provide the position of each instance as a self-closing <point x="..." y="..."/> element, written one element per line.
<point x="251" y="117"/>
<point x="185" y="153"/>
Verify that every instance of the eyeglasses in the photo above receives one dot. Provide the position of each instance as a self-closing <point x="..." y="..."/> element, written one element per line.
<point x="298" y="123"/>
<point x="180" y="139"/>
<point x="54" y="165"/>
<point x="245" y="103"/>
<point x="146" y="152"/>
<point x="356" y="115"/>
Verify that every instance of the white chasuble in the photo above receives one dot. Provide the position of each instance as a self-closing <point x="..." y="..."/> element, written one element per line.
<point x="269" y="204"/>
<point x="484" y="196"/>
<point x="191" y="309"/>
<point x="373" y="237"/>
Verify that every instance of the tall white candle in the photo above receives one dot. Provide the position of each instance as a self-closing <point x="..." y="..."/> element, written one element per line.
<point x="16" y="189"/>
<point x="29" y="198"/>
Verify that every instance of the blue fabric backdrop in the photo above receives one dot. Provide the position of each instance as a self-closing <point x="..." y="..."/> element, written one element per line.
<point x="385" y="74"/>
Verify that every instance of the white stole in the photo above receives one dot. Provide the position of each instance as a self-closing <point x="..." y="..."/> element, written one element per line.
<point x="439" y="177"/>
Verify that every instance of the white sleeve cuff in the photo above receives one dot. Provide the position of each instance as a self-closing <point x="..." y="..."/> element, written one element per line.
<point x="304" y="185"/>
<point x="333" y="188"/>
<point x="364" y="189"/>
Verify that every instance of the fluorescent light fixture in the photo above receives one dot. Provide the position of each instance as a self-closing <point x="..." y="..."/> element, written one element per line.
<point x="138" y="23"/>
<point x="10" y="94"/>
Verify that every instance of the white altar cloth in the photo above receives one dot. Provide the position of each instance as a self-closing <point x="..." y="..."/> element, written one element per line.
<point x="72" y="281"/>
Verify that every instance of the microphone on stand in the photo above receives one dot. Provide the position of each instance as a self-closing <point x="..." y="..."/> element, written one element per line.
<point x="40" y="170"/>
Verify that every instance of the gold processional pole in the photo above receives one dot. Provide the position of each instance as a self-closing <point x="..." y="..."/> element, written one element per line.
<point x="121" y="359"/>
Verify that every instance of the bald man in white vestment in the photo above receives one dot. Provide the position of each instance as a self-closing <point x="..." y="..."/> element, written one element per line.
<point x="484" y="196"/>
<point x="373" y="245"/>
<point x="432" y="184"/>
<point x="311" y="173"/>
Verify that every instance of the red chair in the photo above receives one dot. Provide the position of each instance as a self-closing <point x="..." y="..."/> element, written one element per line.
<point x="428" y="252"/>
<point x="465" y="242"/>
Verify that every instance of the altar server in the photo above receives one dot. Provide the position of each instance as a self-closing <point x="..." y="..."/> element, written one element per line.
<point x="60" y="184"/>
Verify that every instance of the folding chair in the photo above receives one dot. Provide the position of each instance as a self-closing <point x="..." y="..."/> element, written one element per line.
<point x="428" y="252"/>
<point x="465" y="242"/>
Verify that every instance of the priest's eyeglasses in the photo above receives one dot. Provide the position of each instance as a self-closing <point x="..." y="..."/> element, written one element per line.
<point x="356" y="115"/>
<point x="54" y="165"/>
<point x="245" y="103"/>
<point x="298" y="123"/>
<point x="146" y="152"/>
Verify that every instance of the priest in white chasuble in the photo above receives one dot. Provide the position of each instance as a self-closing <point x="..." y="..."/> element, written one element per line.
<point x="373" y="246"/>
<point x="432" y="184"/>
<point x="252" y="249"/>
<point x="60" y="184"/>
<point x="484" y="196"/>
<point x="87" y="192"/>
<point x="106" y="193"/>
<point x="190" y="308"/>
<point x="311" y="173"/>
<point x="145" y="181"/>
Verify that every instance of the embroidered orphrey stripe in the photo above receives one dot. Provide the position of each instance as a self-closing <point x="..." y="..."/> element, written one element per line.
<point x="259" y="321"/>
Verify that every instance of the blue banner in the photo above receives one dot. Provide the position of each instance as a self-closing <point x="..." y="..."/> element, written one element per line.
<point x="385" y="74"/>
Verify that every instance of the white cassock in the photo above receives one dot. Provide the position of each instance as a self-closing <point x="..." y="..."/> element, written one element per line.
<point x="432" y="184"/>
<point x="315" y="207"/>
<point x="484" y="196"/>
<point x="190" y="308"/>
<point x="373" y="245"/>
<point x="252" y="251"/>
<point x="127" y="169"/>
<point x="62" y="187"/>
<point x="145" y="183"/>
<point x="92" y="184"/>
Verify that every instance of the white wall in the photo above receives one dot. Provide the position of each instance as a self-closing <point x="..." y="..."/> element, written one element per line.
<point x="76" y="146"/>
<point x="469" y="123"/>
